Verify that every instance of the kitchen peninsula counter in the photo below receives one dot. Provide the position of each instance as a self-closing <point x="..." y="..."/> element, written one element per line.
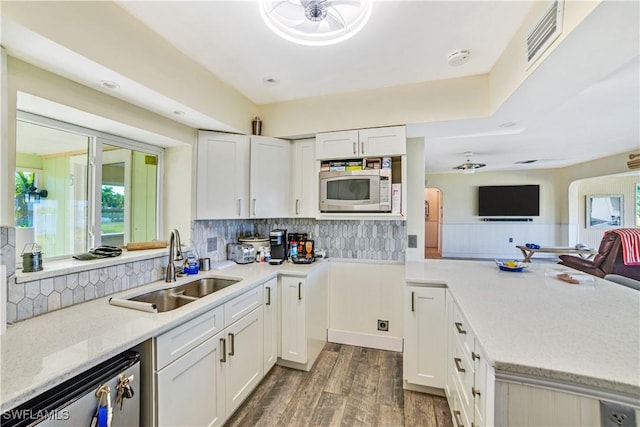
<point x="533" y="325"/>
<point x="41" y="352"/>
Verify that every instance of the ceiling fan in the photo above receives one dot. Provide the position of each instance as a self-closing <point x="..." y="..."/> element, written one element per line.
<point x="315" y="22"/>
<point x="469" y="166"/>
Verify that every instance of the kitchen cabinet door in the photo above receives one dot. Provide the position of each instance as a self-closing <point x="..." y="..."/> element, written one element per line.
<point x="222" y="172"/>
<point x="271" y="310"/>
<point x="425" y="342"/>
<point x="243" y="365"/>
<point x="294" y="322"/>
<point x="304" y="179"/>
<point x="337" y="145"/>
<point x="388" y="141"/>
<point x="184" y="384"/>
<point x="270" y="187"/>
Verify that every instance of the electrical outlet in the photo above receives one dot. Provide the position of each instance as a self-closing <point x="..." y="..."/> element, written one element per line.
<point x="510" y="239"/>
<point x="412" y="241"/>
<point x="212" y="244"/>
<point x="383" y="325"/>
<point x="614" y="415"/>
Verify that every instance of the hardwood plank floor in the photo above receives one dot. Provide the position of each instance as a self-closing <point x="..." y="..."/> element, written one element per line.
<point x="348" y="386"/>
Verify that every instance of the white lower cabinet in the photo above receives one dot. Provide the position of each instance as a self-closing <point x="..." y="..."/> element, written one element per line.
<point x="304" y="318"/>
<point x="271" y="325"/>
<point x="470" y="380"/>
<point x="241" y="365"/>
<point x="203" y="372"/>
<point x="182" y="383"/>
<point x="425" y="337"/>
<point x="294" y="341"/>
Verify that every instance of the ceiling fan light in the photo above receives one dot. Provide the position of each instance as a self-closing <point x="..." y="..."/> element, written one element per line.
<point x="315" y="22"/>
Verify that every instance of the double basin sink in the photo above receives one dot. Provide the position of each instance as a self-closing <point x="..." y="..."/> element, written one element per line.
<point x="171" y="298"/>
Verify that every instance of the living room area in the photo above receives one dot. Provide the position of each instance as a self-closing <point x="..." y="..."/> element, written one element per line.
<point x="571" y="202"/>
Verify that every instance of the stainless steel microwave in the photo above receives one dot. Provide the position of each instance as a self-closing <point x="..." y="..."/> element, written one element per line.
<point x="367" y="190"/>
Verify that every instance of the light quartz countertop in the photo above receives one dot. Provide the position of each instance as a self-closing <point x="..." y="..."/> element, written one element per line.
<point x="41" y="352"/>
<point x="532" y="324"/>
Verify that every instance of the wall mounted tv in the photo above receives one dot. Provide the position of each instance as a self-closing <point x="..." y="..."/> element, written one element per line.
<point x="509" y="200"/>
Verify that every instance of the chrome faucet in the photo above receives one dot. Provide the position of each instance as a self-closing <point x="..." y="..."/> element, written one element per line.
<point x="175" y="254"/>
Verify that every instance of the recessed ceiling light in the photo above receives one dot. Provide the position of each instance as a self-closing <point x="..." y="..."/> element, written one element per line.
<point x="507" y="124"/>
<point x="271" y="81"/>
<point x="458" y="58"/>
<point x="525" y="162"/>
<point x="179" y="113"/>
<point x="109" y="84"/>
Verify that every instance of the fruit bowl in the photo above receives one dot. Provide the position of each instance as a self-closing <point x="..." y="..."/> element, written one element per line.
<point x="511" y="265"/>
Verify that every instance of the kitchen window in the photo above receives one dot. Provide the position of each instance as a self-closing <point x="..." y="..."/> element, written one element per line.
<point x="79" y="188"/>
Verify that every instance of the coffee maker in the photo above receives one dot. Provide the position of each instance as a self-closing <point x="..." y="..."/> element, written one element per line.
<point x="278" y="243"/>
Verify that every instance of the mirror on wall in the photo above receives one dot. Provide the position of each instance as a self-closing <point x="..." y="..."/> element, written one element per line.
<point x="55" y="181"/>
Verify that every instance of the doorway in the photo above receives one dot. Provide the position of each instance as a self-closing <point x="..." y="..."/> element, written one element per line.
<point x="432" y="223"/>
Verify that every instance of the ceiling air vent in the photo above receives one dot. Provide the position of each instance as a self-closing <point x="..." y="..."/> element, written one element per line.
<point x="545" y="31"/>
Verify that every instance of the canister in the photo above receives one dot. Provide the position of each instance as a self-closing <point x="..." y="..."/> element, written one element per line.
<point x="204" y="264"/>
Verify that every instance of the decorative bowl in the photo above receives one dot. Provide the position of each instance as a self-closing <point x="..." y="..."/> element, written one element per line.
<point x="511" y="265"/>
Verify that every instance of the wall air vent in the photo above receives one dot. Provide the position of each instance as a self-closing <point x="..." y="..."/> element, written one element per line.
<point x="545" y="31"/>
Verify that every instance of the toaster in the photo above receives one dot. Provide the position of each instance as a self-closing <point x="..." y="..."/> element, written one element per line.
<point x="240" y="253"/>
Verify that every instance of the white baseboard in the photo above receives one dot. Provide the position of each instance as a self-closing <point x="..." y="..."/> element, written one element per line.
<point x="365" y="340"/>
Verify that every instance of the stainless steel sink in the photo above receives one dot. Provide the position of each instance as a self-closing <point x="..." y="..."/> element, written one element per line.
<point x="164" y="299"/>
<point x="203" y="287"/>
<point x="172" y="298"/>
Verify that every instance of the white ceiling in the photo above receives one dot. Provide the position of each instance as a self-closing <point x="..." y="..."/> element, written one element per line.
<point x="403" y="42"/>
<point x="582" y="103"/>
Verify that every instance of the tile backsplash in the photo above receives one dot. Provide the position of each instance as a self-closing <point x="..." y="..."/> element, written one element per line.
<point x="31" y="298"/>
<point x="360" y="239"/>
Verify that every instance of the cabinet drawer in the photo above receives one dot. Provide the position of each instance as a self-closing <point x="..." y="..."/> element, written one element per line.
<point x="242" y="305"/>
<point x="181" y="339"/>
<point x="462" y="330"/>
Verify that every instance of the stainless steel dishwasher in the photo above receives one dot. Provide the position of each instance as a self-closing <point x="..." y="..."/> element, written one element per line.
<point x="83" y="401"/>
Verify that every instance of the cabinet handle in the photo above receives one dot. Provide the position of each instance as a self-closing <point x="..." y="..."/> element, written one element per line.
<point x="299" y="290"/>
<point x="413" y="306"/>
<point x="224" y="350"/>
<point x="459" y="328"/>
<point x="268" y="296"/>
<point x="239" y="207"/>
<point x="231" y="345"/>
<point x="254" y="207"/>
<point x="458" y="362"/>
<point x="362" y="147"/>
<point x="297" y="206"/>
<point x="475" y="391"/>
<point x="354" y="147"/>
<point x="475" y="356"/>
<point x="458" y="418"/>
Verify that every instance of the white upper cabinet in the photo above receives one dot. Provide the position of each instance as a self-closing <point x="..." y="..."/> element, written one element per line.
<point x="270" y="177"/>
<point x="222" y="176"/>
<point x="387" y="141"/>
<point x="304" y="203"/>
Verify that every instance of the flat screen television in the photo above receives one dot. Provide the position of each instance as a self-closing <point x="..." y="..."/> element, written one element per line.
<point x="509" y="200"/>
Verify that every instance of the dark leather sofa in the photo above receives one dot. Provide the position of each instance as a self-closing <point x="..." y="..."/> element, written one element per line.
<point x="608" y="260"/>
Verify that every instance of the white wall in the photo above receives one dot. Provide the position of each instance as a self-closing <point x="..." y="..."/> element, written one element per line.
<point x="415" y="197"/>
<point x="465" y="235"/>
<point x="361" y="293"/>
<point x="26" y="78"/>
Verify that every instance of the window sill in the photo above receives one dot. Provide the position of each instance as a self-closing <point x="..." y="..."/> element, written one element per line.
<point x="63" y="267"/>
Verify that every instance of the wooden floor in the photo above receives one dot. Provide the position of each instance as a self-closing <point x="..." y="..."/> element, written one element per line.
<point x="348" y="386"/>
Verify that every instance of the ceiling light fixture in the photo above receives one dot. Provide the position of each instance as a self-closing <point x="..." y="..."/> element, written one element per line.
<point x="469" y="166"/>
<point x="109" y="84"/>
<point x="271" y="81"/>
<point x="315" y="22"/>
